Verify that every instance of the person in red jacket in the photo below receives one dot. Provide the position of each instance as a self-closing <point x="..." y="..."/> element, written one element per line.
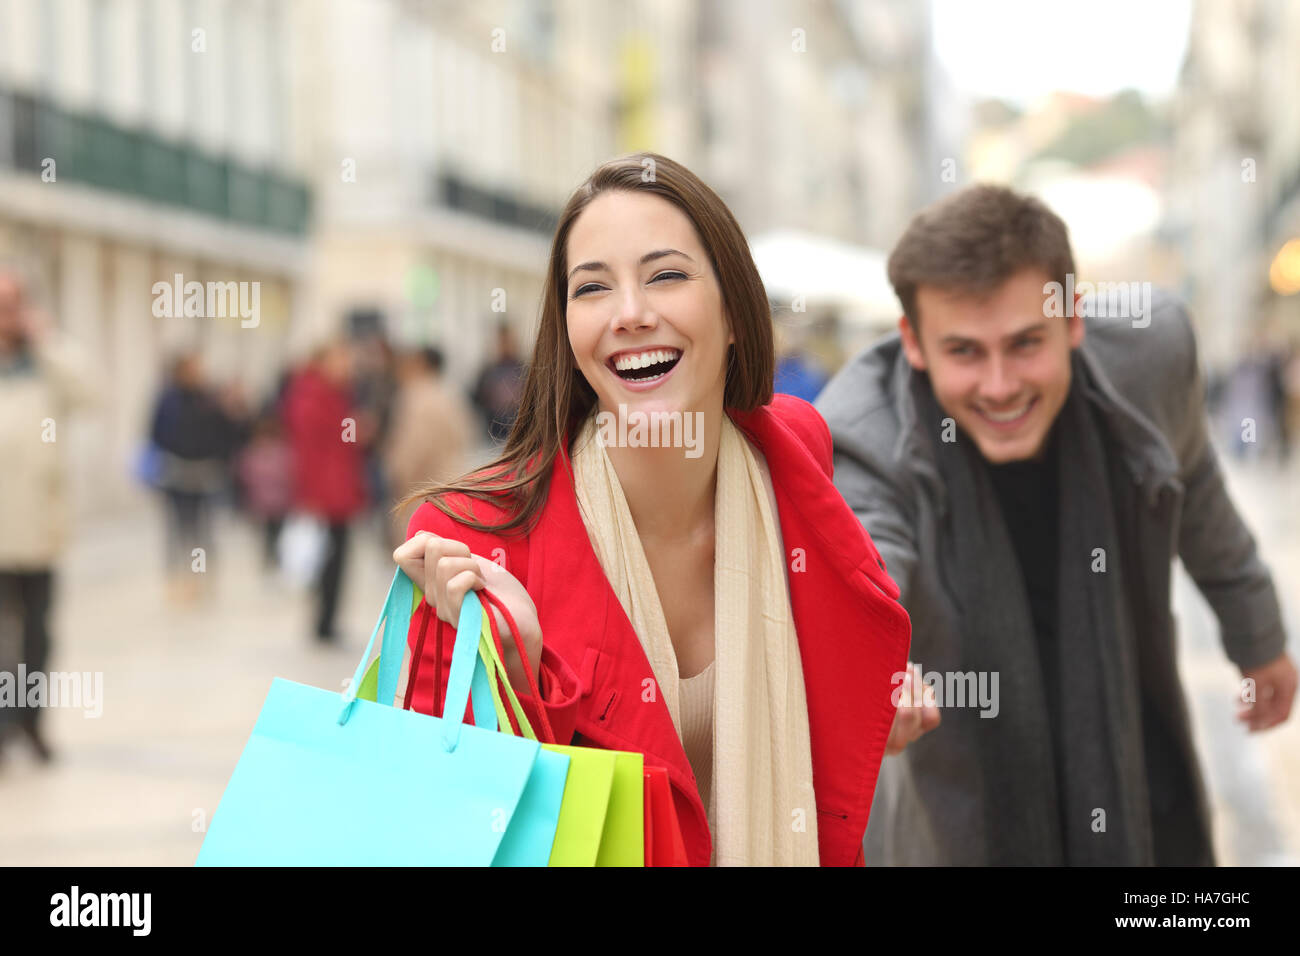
<point x="686" y="579"/>
<point x="327" y="437"/>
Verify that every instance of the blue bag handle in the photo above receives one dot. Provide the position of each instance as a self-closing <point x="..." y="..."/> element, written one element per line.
<point x="470" y="675"/>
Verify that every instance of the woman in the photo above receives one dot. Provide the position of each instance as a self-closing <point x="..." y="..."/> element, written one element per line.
<point x="328" y="435"/>
<point x="717" y="608"/>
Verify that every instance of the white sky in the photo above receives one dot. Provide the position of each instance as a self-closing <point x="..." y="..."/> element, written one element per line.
<point x="1021" y="49"/>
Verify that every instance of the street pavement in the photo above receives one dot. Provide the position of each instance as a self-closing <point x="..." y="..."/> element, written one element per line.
<point x="1253" y="779"/>
<point x="182" y="687"/>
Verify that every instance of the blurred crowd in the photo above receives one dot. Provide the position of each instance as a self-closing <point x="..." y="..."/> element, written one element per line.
<point x="1256" y="402"/>
<point x="344" y="435"/>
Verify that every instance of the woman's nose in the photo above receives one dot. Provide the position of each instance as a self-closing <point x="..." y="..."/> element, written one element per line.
<point x="634" y="312"/>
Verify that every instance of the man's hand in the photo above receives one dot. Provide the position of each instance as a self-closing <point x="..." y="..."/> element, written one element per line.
<point x="1275" y="684"/>
<point x="916" y="713"/>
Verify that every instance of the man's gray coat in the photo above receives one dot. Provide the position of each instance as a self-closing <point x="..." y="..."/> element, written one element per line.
<point x="1152" y="398"/>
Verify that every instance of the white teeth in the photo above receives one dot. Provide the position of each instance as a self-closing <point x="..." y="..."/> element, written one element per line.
<point x="1010" y="416"/>
<point x="642" y="359"/>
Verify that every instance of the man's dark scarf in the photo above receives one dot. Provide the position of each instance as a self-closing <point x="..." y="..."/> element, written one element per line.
<point x="1101" y="762"/>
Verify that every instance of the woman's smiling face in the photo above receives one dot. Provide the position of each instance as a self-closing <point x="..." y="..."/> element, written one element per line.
<point x="644" y="309"/>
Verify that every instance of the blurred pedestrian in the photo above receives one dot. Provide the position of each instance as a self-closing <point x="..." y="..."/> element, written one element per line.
<point x="430" y="433"/>
<point x="1279" y="357"/>
<point x="43" y="377"/>
<point x="797" y="372"/>
<point x="328" y="436"/>
<point x="265" y="469"/>
<point x="1029" y="487"/>
<point x="375" y="390"/>
<point x="195" y="435"/>
<point x="1251" y="402"/>
<point x="500" y="386"/>
<point x="1291" y="414"/>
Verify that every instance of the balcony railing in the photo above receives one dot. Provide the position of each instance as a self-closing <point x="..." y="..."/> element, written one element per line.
<point x="458" y="193"/>
<point x="95" y="151"/>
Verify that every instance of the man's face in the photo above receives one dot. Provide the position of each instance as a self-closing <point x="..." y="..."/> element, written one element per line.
<point x="998" y="364"/>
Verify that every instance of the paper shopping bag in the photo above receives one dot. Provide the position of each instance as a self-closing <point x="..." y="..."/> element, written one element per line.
<point x="602" y="817"/>
<point x="530" y="836"/>
<point x="341" y="781"/>
<point x="664" y="845"/>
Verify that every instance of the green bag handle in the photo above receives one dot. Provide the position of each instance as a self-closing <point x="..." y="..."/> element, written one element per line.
<point x="497" y="678"/>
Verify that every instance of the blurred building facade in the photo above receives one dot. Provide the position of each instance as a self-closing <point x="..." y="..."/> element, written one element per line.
<point x="446" y="136"/>
<point x="449" y="136"/>
<point x="141" y="140"/>
<point x="817" y="116"/>
<point x="408" y="158"/>
<point x="1235" y="189"/>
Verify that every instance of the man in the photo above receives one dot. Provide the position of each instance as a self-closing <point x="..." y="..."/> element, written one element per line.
<point x="500" y="387"/>
<point x="42" y="378"/>
<point x="429" y="439"/>
<point x="1029" y="477"/>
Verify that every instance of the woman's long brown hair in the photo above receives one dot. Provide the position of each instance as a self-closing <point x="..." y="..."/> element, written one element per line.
<point x="556" y="396"/>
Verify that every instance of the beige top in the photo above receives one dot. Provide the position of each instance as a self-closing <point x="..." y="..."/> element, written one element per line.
<point x="695" y="699"/>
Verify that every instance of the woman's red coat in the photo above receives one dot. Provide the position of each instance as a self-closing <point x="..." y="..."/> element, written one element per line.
<point x="853" y="633"/>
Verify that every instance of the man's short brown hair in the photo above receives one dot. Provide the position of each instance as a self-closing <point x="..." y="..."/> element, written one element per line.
<point x="975" y="240"/>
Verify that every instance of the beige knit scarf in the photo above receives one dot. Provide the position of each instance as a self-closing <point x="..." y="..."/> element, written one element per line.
<point x="763" y="810"/>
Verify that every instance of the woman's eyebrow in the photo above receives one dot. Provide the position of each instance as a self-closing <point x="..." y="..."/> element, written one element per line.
<point x="660" y="253"/>
<point x="648" y="257"/>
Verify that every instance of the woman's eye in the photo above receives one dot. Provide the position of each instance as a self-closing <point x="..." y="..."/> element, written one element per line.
<point x="672" y="274"/>
<point x="582" y="289"/>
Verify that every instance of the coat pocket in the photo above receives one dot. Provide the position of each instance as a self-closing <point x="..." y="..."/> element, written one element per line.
<point x="874" y="568"/>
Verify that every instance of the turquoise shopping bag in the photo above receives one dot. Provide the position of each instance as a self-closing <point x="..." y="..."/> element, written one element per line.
<point x="530" y="836"/>
<point x="326" y="780"/>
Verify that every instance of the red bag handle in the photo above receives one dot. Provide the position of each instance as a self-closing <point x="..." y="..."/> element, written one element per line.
<point x="546" y="734"/>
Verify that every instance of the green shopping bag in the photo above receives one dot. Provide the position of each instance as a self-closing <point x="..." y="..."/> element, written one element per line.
<point x="602" y="818"/>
